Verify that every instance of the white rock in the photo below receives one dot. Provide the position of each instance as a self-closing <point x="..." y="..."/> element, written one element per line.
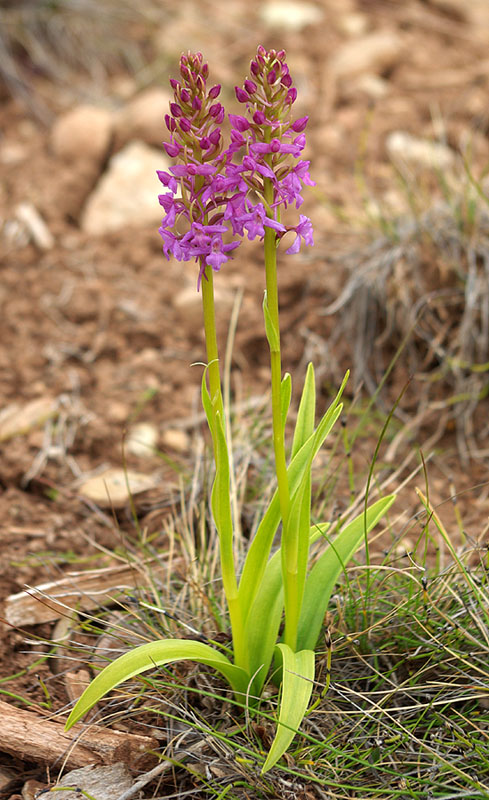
<point x="142" y="439"/>
<point x="143" y="118"/>
<point x="289" y="15"/>
<point x="104" y="783"/>
<point x="127" y="194"/>
<point x="353" y="24"/>
<point x="82" y="133"/>
<point x="404" y="148"/>
<point x="17" y="420"/>
<point x="114" y="487"/>
<point x="374" y="52"/>
<point x="36" y="228"/>
<point x="176" y="439"/>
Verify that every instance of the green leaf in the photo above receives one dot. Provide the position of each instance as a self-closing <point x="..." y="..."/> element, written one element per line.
<point x="325" y="572"/>
<point x="297" y="684"/>
<point x="259" y="548"/>
<point x="304" y="426"/>
<point x="149" y="656"/>
<point x="271" y="331"/>
<point x="285" y="395"/>
<point x="263" y="623"/>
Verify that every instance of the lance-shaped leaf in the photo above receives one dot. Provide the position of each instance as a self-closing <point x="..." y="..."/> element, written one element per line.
<point x="259" y="549"/>
<point x="297" y="684"/>
<point x="304" y="426"/>
<point x="149" y="656"/>
<point x="328" y="567"/>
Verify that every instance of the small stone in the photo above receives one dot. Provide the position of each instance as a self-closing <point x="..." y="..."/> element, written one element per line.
<point x="16" y="420"/>
<point x="289" y="15"/>
<point x="83" y="133"/>
<point x="353" y="24"/>
<point x="102" y="783"/>
<point x="114" y="487"/>
<point x="143" y="119"/>
<point x="31" y="788"/>
<point x="76" y="683"/>
<point x="142" y="440"/>
<point x="35" y="226"/>
<point x="127" y="194"/>
<point x="372" y="86"/>
<point x="375" y="52"/>
<point x="176" y="439"/>
<point x="404" y="148"/>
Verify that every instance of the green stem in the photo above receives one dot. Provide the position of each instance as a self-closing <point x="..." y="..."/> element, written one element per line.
<point x="224" y="522"/>
<point x="212" y="351"/>
<point x="276" y="363"/>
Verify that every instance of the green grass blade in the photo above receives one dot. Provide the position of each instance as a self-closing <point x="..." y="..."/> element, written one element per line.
<point x="149" y="656"/>
<point x="306" y="415"/>
<point x="327" y="569"/>
<point x="297" y="684"/>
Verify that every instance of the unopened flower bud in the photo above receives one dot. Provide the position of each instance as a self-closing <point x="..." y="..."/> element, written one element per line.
<point x="272" y="77"/>
<point x="205" y="143"/>
<point x="170" y="123"/>
<point x="175" y="110"/>
<point x="172" y="148"/>
<point x="250" y="86"/>
<point x="215" y="136"/>
<point x="196" y="103"/>
<point x="184" y="124"/>
<point x="185" y="95"/>
<point x="241" y="95"/>
<point x="299" y="125"/>
<point x="259" y="117"/>
<point x="240" y="123"/>
<point x="291" y="96"/>
<point x="215" y="91"/>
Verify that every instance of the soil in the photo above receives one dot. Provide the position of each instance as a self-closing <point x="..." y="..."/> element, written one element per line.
<point x="106" y="330"/>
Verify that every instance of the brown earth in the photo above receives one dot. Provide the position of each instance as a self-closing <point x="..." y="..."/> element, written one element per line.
<point x="102" y="331"/>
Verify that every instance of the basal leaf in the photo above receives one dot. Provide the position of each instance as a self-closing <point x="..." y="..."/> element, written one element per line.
<point x="149" y="656"/>
<point x="327" y="569"/>
<point x="297" y="684"/>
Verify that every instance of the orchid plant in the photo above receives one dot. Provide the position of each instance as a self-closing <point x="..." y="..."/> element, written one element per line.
<point x="214" y="197"/>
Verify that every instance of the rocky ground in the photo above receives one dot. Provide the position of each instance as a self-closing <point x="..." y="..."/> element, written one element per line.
<point x="98" y="332"/>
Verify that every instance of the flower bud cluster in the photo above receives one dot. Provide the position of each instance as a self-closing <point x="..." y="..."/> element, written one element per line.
<point x="214" y="196"/>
